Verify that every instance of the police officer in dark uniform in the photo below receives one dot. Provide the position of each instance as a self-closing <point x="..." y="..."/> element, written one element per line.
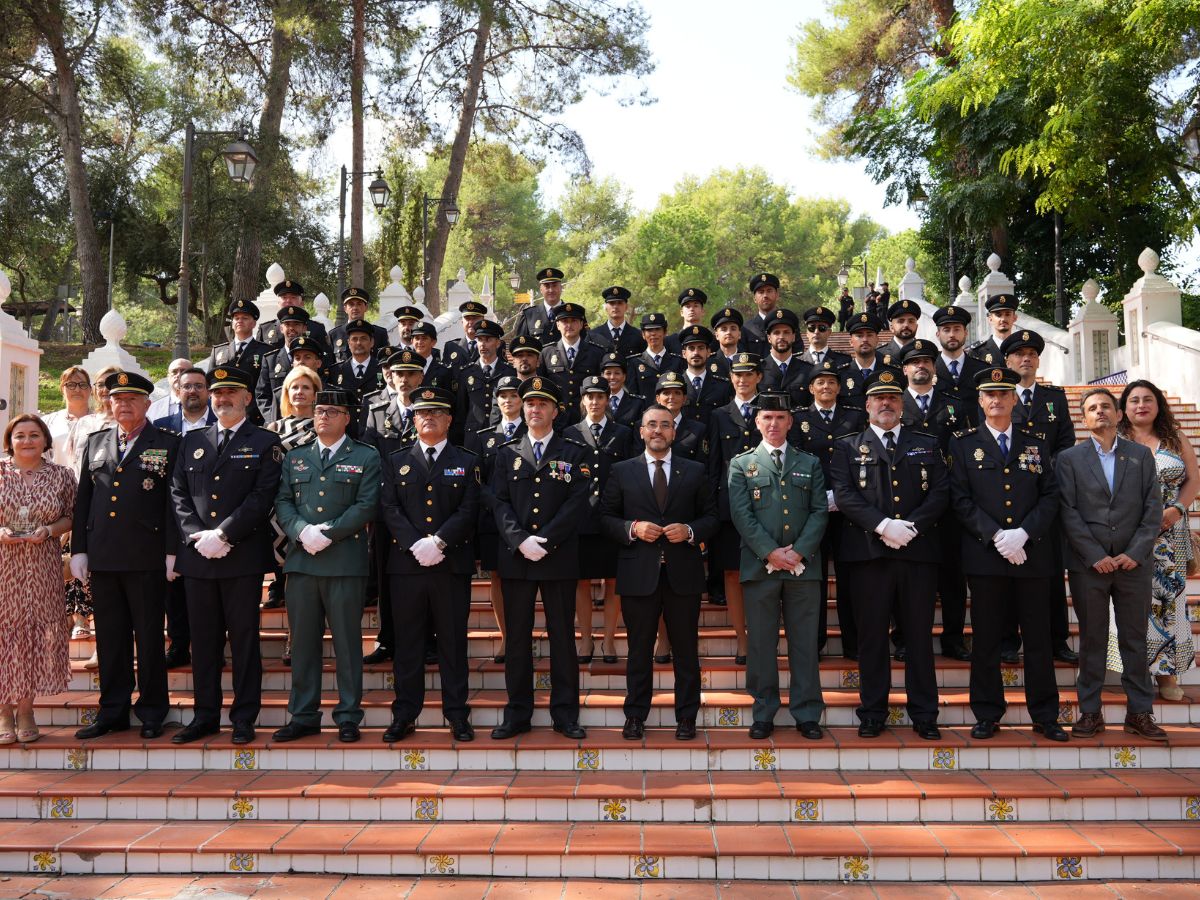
<point x="707" y="387"/>
<point x="643" y="371"/>
<point x="477" y="379"/>
<point x="355" y="302"/>
<point x="782" y="367"/>
<point x="955" y="368"/>
<point x="815" y="429"/>
<point x="691" y="437"/>
<point x="617" y="335"/>
<point x="224" y="493"/>
<point x="902" y="320"/>
<point x="571" y="359"/>
<point x="727" y="329"/>
<point x="540" y="498"/>
<point x="293" y="323"/>
<point x="1002" y="317"/>
<point x="1006" y="500"/>
<point x="406" y="318"/>
<point x="244" y="351"/>
<point x="124" y="534"/>
<point x="360" y="373"/>
<point x="437" y="373"/>
<point x="430" y="501"/>
<point x="818" y="322"/>
<point x="865" y="360"/>
<point x="845" y="309"/>
<point x="691" y="309"/>
<point x="461" y="352"/>
<point x="290" y="294"/>
<point x="624" y="407"/>
<point x="536" y="320"/>
<point x="765" y="289"/>
<point x="892" y="488"/>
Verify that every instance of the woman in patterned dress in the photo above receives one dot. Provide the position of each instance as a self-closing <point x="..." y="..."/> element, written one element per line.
<point x="36" y="502"/>
<point x="295" y="429"/>
<point x="1148" y="420"/>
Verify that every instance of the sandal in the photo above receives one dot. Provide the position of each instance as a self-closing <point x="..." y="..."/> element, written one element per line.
<point x="93" y="661"/>
<point x="8" y="734"/>
<point x="27" y="730"/>
<point x="1169" y="689"/>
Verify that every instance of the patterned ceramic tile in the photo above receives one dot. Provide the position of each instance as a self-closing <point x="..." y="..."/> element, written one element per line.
<point x="729" y="715"/>
<point x="588" y="760"/>
<point x="1001" y="809"/>
<point x="895" y="715"/>
<point x="389" y="681"/>
<point x="244" y="760"/>
<point x="46" y="861"/>
<point x="763" y="760"/>
<point x="88" y="716"/>
<point x="78" y="759"/>
<point x="1191" y="808"/>
<point x="414" y="761"/>
<point x="1066" y="714"/>
<point x="944" y="758"/>
<point x="441" y="864"/>
<point x="851" y="678"/>
<point x="541" y="681"/>
<point x="61" y="808"/>
<point x="241" y="862"/>
<point x="807" y="811"/>
<point x="854" y="868"/>
<point x="615" y="810"/>
<point x="243" y="808"/>
<point x="1125" y="758"/>
<point x="648" y="866"/>
<point x="426" y="809"/>
<point x="1068" y="868"/>
<point x="1010" y="676"/>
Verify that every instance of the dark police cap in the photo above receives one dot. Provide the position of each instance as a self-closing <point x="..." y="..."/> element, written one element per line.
<point x="1019" y="340"/>
<point x="611" y="359"/>
<point x="862" y="322"/>
<point x="525" y="344"/>
<point x="670" y="381"/>
<point x="128" y="383"/>
<point x="292" y="314"/>
<point x="229" y="377"/>
<point x="746" y="362"/>
<point x="426" y="328"/>
<point x="306" y="342"/>
<point x="654" y="320"/>
<point x="432" y="397"/>
<point x="570" y="311"/>
<point x="728" y="314"/>
<point x="356" y="293"/>
<point x="819" y="314"/>
<point x="409" y="313"/>
<point x="996" y="378"/>
<point x="472" y="308"/>
<point x="695" y="334"/>
<point x="918" y="349"/>
<point x="545" y="388"/>
<point x="616" y="293"/>
<point x="549" y="274"/>
<point x="824" y="369"/>
<point x="1001" y="301"/>
<point x="903" y="308"/>
<point x="244" y="306"/>
<point x="507" y="383"/>
<point x="688" y="294"/>
<point x="360" y="326"/>
<point x="949" y="315"/>
<point x="764" y="278"/>
<point x="336" y="398"/>
<point x="488" y="328"/>
<point x="406" y="361"/>
<point x="884" y="381"/>
<point x="773" y="401"/>
<point x="782" y="317"/>
<point x="594" y="384"/>
<point x="289" y="287"/>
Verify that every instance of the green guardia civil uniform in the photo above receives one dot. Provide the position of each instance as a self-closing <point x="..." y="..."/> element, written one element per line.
<point x="778" y="506"/>
<point x="332" y="584"/>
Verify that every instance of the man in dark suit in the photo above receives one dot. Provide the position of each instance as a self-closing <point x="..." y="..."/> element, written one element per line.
<point x="659" y="508"/>
<point x="354" y="302"/>
<point x="477" y="379"/>
<point x="539" y="501"/>
<point x="360" y="373"/>
<point x="437" y="373"/>
<point x="617" y="334"/>
<point x="707" y="387"/>
<point x="243" y="351"/>
<point x="691" y="438"/>
<point x="782" y="366"/>
<point x="1006" y="501"/>
<point x="727" y="329"/>
<point x="865" y="359"/>
<point x="1002" y="317"/>
<point x="691" y="311"/>
<point x="845" y="308"/>
<point x="1112" y="515"/>
<point x="125" y="537"/>
<point x="569" y="360"/>
<point x="818" y="322"/>
<point x="624" y="407"/>
<point x="643" y="371"/>
<point x="891" y="486"/>
<point x="430" y="502"/>
<point x="955" y="368"/>
<point x="223" y="493"/>
<point x="461" y="352"/>
<point x="537" y="319"/>
<point x="290" y="294"/>
<point x="765" y="290"/>
<point x="902" y="321"/>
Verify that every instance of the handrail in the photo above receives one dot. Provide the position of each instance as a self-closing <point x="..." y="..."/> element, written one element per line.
<point x="1156" y="337"/>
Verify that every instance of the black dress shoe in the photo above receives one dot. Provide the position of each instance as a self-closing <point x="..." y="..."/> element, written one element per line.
<point x="572" y="730"/>
<point x="293" y="731"/>
<point x="378" y="655"/>
<point x="151" y="730"/>
<point x="760" y="731"/>
<point x="1063" y="653"/>
<point x="498" y="658"/>
<point x="955" y="650"/>
<point x="584" y="659"/>
<point x="99" y="729"/>
<point x="398" y="731"/>
<point x="927" y="731"/>
<point x="243" y="732"/>
<point x="810" y="730"/>
<point x="663" y="658"/>
<point x="1051" y="731"/>
<point x="685" y="730"/>
<point x="900" y="653"/>
<point x="718" y="600"/>
<point x="609" y="658"/>
<point x="177" y="657"/>
<point x="506" y="730"/>
<point x="870" y="729"/>
<point x="851" y="655"/>
<point x="194" y="731"/>
<point x="462" y="730"/>
<point x="1010" y="657"/>
<point x="274" y="599"/>
<point x="985" y="730"/>
<point x="348" y="733"/>
<point x="739" y="660"/>
<point x="634" y="730"/>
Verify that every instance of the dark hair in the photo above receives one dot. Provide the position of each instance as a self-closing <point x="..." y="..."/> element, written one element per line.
<point x="1165" y="427"/>
<point x="72" y="370"/>
<point x="1092" y="392"/>
<point x="193" y="371"/>
<point x="25" y="417"/>
<point x="655" y="407"/>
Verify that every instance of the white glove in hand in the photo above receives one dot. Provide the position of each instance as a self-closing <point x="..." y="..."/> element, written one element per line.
<point x="832" y="503"/>
<point x="426" y="551"/>
<point x="531" y="548"/>
<point x="1010" y="540"/>
<point x="1016" y="557"/>
<point x="897" y="533"/>
<point x="171" y="573"/>
<point x="209" y="545"/>
<point x="313" y="540"/>
<point x="79" y="566"/>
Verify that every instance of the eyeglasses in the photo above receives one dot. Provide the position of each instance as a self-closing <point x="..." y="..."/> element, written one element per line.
<point x="818" y="327"/>
<point x="326" y="412"/>
<point x="192" y="387"/>
<point x="76" y="385"/>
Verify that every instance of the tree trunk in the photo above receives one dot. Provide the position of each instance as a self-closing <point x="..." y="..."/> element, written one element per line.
<point x="357" y="53"/>
<point x="458" y="157"/>
<point x="247" y="265"/>
<point x="1000" y="242"/>
<point x="68" y="119"/>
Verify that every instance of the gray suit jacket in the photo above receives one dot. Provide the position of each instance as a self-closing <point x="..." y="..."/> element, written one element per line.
<point x="1100" y="523"/>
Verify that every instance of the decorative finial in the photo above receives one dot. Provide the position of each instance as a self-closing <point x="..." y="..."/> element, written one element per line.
<point x="1090" y="290"/>
<point x="5" y="286"/>
<point x="910" y="265"/>
<point x="964" y="284"/>
<point x="274" y="274"/>
<point x="993" y="262"/>
<point x="395" y="273"/>
<point x="1148" y="261"/>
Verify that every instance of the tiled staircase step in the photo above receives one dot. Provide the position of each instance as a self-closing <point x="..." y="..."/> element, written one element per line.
<point x="876" y="852"/>
<point x="527" y="796"/>
<point x="715" y="749"/>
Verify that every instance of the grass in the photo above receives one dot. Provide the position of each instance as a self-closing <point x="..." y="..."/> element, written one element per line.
<point x="56" y="357"/>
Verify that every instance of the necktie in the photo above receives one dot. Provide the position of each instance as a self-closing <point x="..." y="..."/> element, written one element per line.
<point x="487" y="372"/>
<point x="782" y="370"/>
<point x="613" y="402"/>
<point x="1002" y="440"/>
<point x="827" y="415"/>
<point x="226" y="434"/>
<point x="509" y="429"/>
<point x="431" y="455"/>
<point x="864" y="374"/>
<point x="570" y="356"/>
<point x="616" y="333"/>
<point x="537" y="451"/>
<point x="405" y="419"/>
<point x="777" y="456"/>
<point x="890" y="444"/>
<point x="746" y="411"/>
<point x="660" y="485"/>
<point x="237" y="348"/>
<point x="358" y="371"/>
<point x="696" y="382"/>
<point x="819" y="357"/>
<point x="954" y="370"/>
<point x="1027" y="398"/>
<point x="324" y="456"/>
<point x="923" y="400"/>
<point x="657" y="359"/>
<point x="596" y="426"/>
<point x="471" y="348"/>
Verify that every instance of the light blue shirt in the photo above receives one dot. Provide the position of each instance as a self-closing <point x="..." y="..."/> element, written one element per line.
<point x="1108" y="462"/>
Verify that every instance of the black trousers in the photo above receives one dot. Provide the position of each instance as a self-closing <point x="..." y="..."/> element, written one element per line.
<point x="681" y="614"/>
<point x="558" y="604"/>
<point x="951" y="582"/>
<point x="994" y="599"/>
<point x="441" y="600"/>
<point x="128" y="610"/>
<point x="1057" y="601"/>
<point x="179" y="631"/>
<point x="845" y="607"/>
<point x="381" y="538"/>
<point x="222" y="608"/>
<point x="906" y="589"/>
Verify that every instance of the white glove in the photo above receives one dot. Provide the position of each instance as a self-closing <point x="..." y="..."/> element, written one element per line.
<point x="313" y="540"/>
<point x="531" y="548"/>
<point x="171" y="573"/>
<point x="79" y="566"/>
<point x="897" y="533"/>
<point x="209" y="545"/>
<point x="829" y="499"/>
<point x="1017" y="557"/>
<point x="426" y="551"/>
<point x="1009" y="540"/>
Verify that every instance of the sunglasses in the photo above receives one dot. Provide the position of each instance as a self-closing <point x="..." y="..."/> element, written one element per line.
<point x="818" y="327"/>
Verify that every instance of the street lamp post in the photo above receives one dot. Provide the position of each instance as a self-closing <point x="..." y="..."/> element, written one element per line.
<point x="380" y="194"/>
<point x="451" y="213"/>
<point x="240" y="160"/>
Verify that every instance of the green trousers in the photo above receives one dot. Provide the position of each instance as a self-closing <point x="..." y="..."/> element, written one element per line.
<point x="313" y="600"/>
<point x="798" y="603"/>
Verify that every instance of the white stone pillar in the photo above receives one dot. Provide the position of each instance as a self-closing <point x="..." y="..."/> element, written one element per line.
<point x="994" y="283"/>
<point x="449" y="323"/>
<point x="20" y="359"/>
<point x="391" y="298"/>
<point x="1151" y="300"/>
<point x="912" y="285"/>
<point x="1093" y="336"/>
<point x="966" y="300"/>
<point x="113" y="329"/>
<point x="267" y="302"/>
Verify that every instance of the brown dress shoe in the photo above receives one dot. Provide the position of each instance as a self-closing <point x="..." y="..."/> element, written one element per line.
<point x="1089" y="725"/>
<point x="1142" y="724"/>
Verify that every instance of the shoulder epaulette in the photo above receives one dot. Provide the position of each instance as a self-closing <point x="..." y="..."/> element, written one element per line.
<point x="964" y="432"/>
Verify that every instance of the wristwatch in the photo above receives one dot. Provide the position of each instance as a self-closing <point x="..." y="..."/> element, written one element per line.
<point x="1178" y="506"/>
<point x="441" y="545"/>
<point x="219" y="533"/>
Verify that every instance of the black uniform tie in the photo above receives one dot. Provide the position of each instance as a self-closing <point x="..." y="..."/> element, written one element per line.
<point x="890" y="444"/>
<point x="325" y="451"/>
<point x="226" y="434"/>
<point x="596" y="427"/>
<point x="660" y="485"/>
<point x="431" y="455"/>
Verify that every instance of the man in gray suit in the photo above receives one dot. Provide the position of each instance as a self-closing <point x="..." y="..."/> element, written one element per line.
<point x="1111" y="512"/>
